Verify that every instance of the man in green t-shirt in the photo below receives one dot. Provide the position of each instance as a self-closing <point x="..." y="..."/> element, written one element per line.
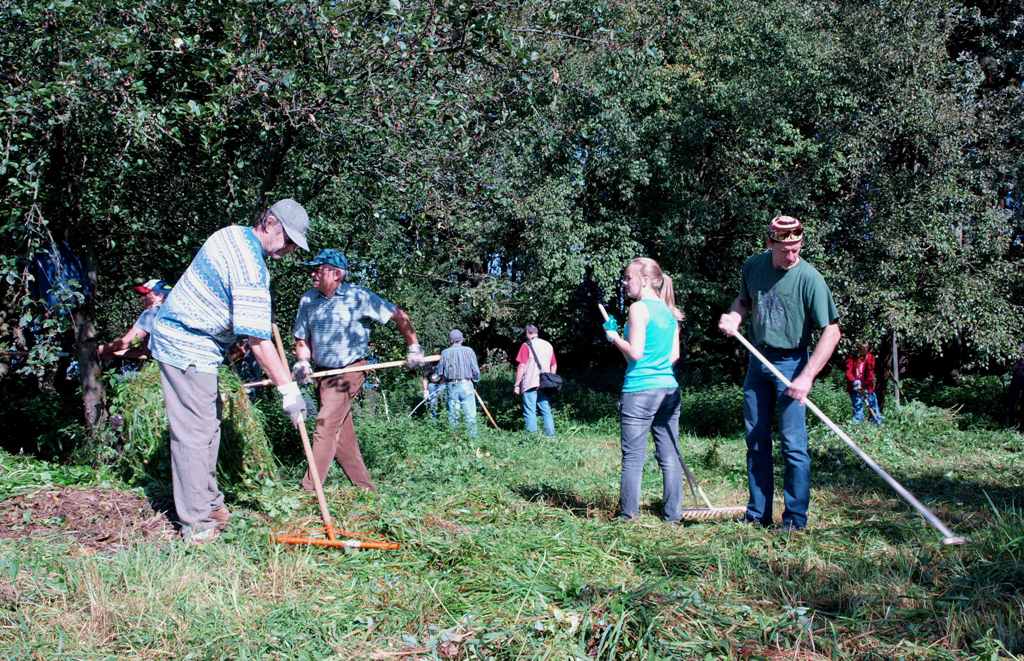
<point x="787" y="299"/>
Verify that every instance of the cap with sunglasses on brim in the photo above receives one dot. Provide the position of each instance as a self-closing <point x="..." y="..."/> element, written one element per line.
<point x="785" y="229"/>
<point x="293" y="219"/>
<point x="329" y="257"/>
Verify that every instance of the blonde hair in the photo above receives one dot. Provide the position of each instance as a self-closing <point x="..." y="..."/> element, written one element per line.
<point x="660" y="283"/>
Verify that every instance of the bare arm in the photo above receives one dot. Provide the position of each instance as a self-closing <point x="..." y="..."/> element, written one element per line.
<point x="302" y="350"/>
<point x="520" y="371"/>
<point x="266" y="355"/>
<point x="404" y="325"/>
<point x="730" y="322"/>
<point x="822" y="352"/>
<point x="674" y="354"/>
<point x="133" y="338"/>
<point x="634" y="348"/>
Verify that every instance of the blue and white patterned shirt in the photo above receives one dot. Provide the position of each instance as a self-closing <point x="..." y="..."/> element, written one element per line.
<point x="333" y="326"/>
<point x="224" y="293"/>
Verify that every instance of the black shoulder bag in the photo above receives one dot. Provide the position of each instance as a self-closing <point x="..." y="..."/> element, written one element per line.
<point x="548" y="380"/>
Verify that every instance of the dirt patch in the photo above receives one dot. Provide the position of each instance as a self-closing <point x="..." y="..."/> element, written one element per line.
<point x="99" y="519"/>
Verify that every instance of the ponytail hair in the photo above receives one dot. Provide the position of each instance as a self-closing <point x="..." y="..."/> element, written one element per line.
<point x="661" y="283"/>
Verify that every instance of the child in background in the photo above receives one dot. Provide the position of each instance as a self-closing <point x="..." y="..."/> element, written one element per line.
<point x="860" y="377"/>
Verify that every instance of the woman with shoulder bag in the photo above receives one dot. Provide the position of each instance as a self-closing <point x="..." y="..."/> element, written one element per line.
<point x="650" y="399"/>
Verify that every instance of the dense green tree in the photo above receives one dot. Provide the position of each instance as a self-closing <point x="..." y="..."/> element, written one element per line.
<point x="476" y="160"/>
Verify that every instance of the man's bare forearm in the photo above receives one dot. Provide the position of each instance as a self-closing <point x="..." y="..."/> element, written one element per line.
<point x="266" y="355"/>
<point x="404" y="325"/>
<point x="822" y="351"/>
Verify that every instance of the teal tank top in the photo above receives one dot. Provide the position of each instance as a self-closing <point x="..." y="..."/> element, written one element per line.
<point x="654" y="369"/>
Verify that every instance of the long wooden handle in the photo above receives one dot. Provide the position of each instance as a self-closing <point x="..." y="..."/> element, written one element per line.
<point x="325" y="514"/>
<point x="346" y="370"/>
<point x="947" y="535"/>
<point x="604" y="313"/>
<point x="484" y="406"/>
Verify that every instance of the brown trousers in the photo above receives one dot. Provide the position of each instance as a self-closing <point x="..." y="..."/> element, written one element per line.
<point x="335" y="435"/>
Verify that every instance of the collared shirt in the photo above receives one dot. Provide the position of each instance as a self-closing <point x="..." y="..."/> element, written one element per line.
<point x="458" y="362"/>
<point x="545" y="356"/>
<point x="224" y="293"/>
<point x="334" y="326"/>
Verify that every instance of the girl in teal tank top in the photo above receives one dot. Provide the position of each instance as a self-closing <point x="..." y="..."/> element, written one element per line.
<point x="650" y="400"/>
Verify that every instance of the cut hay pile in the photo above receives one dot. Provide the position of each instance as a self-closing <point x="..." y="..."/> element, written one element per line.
<point x="245" y="458"/>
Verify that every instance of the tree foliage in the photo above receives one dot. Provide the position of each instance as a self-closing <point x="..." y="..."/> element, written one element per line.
<point x="474" y="159"/>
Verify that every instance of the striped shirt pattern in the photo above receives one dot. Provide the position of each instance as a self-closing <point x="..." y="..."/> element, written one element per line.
<point x="224" y="293"/>
<point x="458" y="362"/>
<point x="334" y="326"/>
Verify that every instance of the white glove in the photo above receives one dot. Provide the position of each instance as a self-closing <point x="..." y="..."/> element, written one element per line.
<point x="292" y="402"/>
<point x="856" y="385"/>
<point x="414" y="357"/>
<point x="302" y="371"/>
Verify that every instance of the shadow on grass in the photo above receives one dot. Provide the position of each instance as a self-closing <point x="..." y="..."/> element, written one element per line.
<point x="600" y="508"/>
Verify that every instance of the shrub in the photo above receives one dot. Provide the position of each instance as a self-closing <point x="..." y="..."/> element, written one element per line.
<point x="143" y="458"/>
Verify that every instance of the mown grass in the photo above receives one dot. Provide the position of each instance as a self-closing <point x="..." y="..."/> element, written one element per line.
<point x="509" y="551"/>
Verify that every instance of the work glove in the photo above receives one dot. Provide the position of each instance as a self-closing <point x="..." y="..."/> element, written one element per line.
<point x="302" y="372"/>
<point x="611" y="328"/>
<point x="414" y="357"/>
<point x="856" y="385"/>
<point x="292" y="402"/>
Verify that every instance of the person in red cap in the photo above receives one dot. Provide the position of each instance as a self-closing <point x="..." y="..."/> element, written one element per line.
<point x="786" y="300"/>
<point x="134" y="343"/>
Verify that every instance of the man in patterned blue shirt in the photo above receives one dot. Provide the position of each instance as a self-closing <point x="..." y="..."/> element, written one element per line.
<point x="330" y="330"/>
<point x="224" y="294"/>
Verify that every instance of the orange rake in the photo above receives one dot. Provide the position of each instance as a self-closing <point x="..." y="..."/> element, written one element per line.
<point x="354" y="540"/>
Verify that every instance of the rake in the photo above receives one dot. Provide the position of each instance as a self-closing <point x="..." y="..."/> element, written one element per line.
<point x="710" y="512"/>
<point x="354" y="540"/>
<point x="948" y="538"/>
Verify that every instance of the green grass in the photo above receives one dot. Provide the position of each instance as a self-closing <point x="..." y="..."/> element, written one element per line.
<point x="508" y="551"/>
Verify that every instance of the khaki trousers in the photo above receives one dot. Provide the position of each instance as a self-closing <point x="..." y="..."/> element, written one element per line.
<point x="335" y="435"/>
<point x="193" y="417"/>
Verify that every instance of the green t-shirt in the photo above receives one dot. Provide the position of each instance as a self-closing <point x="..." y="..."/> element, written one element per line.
<point x="785" y="306"/>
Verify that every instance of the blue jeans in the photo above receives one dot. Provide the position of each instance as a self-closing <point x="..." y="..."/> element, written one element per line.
<point x="533" y="399"/>
<point x="655" y="411"/>
<point x="462" y="396"/>
<point x="859" y="399"/>
<point x="763" y="396"/>
<point x="434" y="391"/>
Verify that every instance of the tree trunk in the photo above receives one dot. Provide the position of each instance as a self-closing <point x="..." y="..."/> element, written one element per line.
<point x="94" y="393"/>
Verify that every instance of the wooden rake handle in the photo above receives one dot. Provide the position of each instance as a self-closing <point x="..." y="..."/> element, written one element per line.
<point x="948" y="537"/>
<point x="346" y="370"/>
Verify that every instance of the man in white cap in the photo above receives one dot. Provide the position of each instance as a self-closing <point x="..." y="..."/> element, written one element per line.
<point x="786" y="299"/>
<point x="133" y="344"/>
<point x="459" y="370"/>
<point x="224" y="294"/>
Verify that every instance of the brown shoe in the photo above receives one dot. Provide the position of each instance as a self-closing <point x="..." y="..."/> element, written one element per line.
<point x="221" y="515"/>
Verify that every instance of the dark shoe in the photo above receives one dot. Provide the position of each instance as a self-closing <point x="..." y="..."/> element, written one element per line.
<point x="789" y="526"/>
<point x="752" y="522"/>
<point x="221" y="515"/>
